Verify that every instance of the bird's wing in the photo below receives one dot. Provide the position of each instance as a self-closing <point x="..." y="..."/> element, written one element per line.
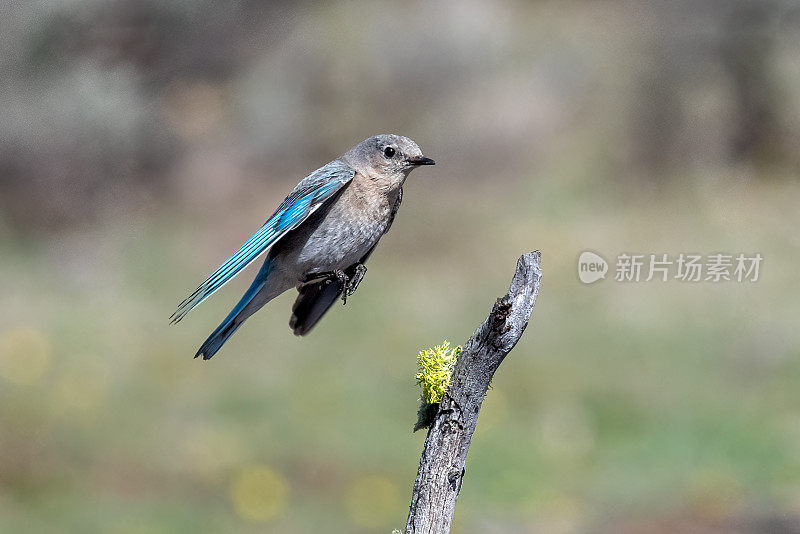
<point x="310" y="194"/>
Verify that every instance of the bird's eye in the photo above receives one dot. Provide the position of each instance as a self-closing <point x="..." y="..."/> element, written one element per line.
<point x="388" y="152"/>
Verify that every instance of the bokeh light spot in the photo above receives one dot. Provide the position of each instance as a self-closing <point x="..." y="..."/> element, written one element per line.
<point x="373" y="501"/>
<point x="259" y="494"/>
<point x="24" y="354"/>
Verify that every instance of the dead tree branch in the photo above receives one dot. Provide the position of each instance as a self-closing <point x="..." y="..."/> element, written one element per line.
<point x="441" y="468"/>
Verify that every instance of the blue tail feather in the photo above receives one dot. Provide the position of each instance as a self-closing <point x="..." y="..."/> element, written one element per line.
<point x="228" y="326"/>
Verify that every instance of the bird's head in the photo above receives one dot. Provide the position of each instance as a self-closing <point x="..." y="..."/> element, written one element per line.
<point x="386" y="156"/>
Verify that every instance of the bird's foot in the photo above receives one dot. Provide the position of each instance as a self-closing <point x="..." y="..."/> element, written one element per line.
<point x="347" y="283"/>
<point x="344" y="282"/>
<point x="358" y="275"/>
<point x="327" y="277"/>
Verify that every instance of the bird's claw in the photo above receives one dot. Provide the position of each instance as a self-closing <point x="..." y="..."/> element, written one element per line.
<point x="358" y="275"/>
<point x="344" y="280"/>
<point x="347" y="283"/>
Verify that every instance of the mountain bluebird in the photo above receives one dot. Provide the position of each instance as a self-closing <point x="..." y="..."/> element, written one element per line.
<point x="319" y="237"/>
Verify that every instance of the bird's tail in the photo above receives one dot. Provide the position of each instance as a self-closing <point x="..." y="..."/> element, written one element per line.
<point x="235" y="318"/>
<point x="313" y="300"/>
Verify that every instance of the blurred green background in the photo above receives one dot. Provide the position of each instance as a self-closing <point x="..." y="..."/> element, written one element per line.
<point x="142" y="141"/>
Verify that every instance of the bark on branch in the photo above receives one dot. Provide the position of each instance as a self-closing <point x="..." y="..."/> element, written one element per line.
<point x="441" y="468"/>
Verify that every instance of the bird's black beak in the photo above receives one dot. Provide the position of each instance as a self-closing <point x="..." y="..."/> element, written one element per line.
<point x="420" y="160"/>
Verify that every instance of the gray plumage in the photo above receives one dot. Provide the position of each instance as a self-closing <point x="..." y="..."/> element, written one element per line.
<point x="319" y="237"/>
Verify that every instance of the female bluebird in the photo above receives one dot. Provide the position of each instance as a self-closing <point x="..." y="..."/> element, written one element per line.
<point x="319" y="237"/>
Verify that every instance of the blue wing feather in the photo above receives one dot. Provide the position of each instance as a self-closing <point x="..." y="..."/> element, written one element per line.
<point x="307" y="196"/>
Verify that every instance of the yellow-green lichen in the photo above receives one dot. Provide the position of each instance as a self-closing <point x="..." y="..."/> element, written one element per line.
<point x="434" y="368"/>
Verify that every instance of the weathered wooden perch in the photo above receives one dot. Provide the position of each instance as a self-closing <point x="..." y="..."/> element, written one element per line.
<point x="441" y="468"/>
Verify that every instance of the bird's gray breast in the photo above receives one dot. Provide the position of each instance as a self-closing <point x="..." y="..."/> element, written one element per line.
<point x="340" y="232"/>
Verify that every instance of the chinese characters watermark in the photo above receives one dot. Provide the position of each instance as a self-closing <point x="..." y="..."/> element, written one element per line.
<point x="663" y="267"/>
